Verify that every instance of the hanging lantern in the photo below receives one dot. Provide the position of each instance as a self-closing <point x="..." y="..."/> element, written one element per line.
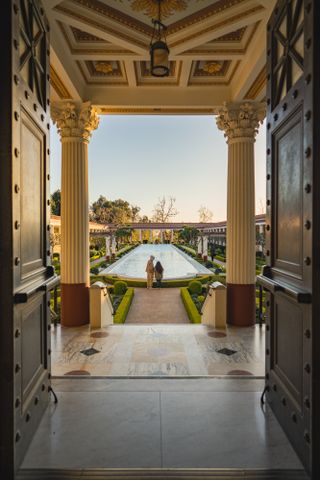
<point x="159" y="51"/>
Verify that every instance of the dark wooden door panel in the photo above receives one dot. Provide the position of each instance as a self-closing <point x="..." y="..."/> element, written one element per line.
<point x="288" y="198"/>
<point x="292" y="242"/>
<point x="25" y="217"/>
<point x="32" y="367"/>
<point x="33" y="211"/>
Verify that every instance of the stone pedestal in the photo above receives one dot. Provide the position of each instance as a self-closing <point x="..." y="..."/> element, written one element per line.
<point x="205" y="248"/>
<point x="200" y="250"/>
<point x="240" y="122"/>
<point x="75" y="122"/>
<point x="108" y="249"/>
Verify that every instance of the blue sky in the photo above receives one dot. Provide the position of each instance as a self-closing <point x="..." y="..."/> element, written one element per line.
<point x="142" y="158"/>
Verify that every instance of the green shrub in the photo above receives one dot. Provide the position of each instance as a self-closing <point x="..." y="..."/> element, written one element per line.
<point x="94" y="270"/>
<point x="191" y="309"/>
<point x="209" y="264"/>
<point x="195" y="287"/>
<point x="120" y="287"/>
<point x="220" y="257"/>
<point x="123" y="309"/>
<point x="56" y="256"/>
<point x="201" y="298"/>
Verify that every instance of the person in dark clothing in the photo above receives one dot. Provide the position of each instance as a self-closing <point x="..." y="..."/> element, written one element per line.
<point x="158" y="271"/>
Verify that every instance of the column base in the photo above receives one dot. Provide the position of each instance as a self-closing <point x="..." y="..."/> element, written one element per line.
<point x="74" y="304"/>
<point x="199" y="255"/>
<point x="241" y="305"/>
<point x="205" y="258"/>
<point x="107" y="258"/>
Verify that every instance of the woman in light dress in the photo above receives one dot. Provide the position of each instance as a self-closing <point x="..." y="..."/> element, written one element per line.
<point x="150" y="272"/>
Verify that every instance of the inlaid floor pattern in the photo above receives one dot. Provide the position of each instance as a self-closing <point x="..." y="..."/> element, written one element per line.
<point x="157" y="351"/>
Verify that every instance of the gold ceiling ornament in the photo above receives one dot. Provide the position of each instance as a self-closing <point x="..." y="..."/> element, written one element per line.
<point x="103" y="67"/>
<point x="212" y="67"/>
<point x="151" y="7"/>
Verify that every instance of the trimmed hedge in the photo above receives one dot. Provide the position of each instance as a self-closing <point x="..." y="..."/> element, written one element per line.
<point x="191" y="309"/>
<point x="110" y="279"/>
<point x="123" y="309"/>
<point x="120" y="287"/>
<point x="195" y="287"/>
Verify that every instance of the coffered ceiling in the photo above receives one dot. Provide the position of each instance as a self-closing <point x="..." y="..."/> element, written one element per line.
<point x="100" y="52"/>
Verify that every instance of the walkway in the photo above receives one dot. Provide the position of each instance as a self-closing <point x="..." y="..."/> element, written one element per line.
<point x="159" y="305"/>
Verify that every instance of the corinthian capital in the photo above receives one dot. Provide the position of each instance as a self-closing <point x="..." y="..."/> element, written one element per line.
<point x="241" y="119"/>
<point x="75" y="119"/>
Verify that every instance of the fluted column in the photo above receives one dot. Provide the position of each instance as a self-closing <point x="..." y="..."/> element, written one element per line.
<point x="172" y="236"/>
<point x="150" y="236"/>
<point x="75" y="122"/>
<point x="140" y="236"/>
<point x="240" y="122"/>
<point x="161" y="236"/>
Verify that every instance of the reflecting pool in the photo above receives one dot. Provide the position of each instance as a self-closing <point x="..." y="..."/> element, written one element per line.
<point x="176" y="264"/>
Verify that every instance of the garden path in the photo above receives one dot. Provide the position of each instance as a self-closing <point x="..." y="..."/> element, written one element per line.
<point x="158" y="305"/>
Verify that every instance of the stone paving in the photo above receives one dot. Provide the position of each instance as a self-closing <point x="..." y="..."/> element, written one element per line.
<point x="157" y="305"/>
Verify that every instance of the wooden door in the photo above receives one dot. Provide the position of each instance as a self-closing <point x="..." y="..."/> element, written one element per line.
<point x="24" y="218"/>
<point x="291" y="276"/>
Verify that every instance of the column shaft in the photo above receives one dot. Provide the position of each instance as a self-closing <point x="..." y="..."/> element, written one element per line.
<point x="74" y="232"/>
<point x="241" y="233"/>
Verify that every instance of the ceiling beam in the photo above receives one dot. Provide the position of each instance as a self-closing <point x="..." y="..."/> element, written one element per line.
<point x="97" y="28"/>
<point x="52" y="3"/>
<point x="61" y="61"/>
<point x="185" y="73"/>
<point x="251" y="65"/>
<point x="131" y="74"/>
<point x="152" y="96"/>
<point x="216" y="30"/>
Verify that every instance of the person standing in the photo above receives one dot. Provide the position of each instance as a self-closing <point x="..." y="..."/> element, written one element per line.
<point x="150" y="272"/>
<point x="158" y="271"/>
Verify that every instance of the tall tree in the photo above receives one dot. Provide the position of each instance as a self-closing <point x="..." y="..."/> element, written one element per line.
<point x="55" y="203"/>
<point x="205" y="215"/>
<point x="164" y="210"/>
<point x="118" y="211"/>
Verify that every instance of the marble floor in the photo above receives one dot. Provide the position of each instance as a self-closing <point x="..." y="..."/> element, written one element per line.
<point x="160" y="424"/>
<point x="158" y="351"/>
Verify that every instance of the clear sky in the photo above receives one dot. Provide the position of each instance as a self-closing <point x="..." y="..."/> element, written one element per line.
<point x="142" y="158"/>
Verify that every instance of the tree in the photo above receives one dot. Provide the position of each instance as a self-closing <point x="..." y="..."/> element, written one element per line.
<point x="55" y="203"/>
<point x="205" y="215"/>
<point x="164" y="210"/>
<point x="189" y="235"/>
<point x="123" y="234"/>
<point x="118" y="211"/>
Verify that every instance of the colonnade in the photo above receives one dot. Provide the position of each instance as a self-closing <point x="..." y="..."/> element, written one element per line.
<point x="75" y="122"/>
<point x="150" y="235"/>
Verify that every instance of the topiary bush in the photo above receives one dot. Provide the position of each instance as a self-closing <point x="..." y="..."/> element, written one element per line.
<point x="195" y="287"/>
<point x="209" y="264"/>
<point x="120" y="287"/>
<point x="94" y="270"/>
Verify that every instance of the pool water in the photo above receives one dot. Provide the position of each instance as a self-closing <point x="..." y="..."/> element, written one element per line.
<point x="176" y="264"/>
